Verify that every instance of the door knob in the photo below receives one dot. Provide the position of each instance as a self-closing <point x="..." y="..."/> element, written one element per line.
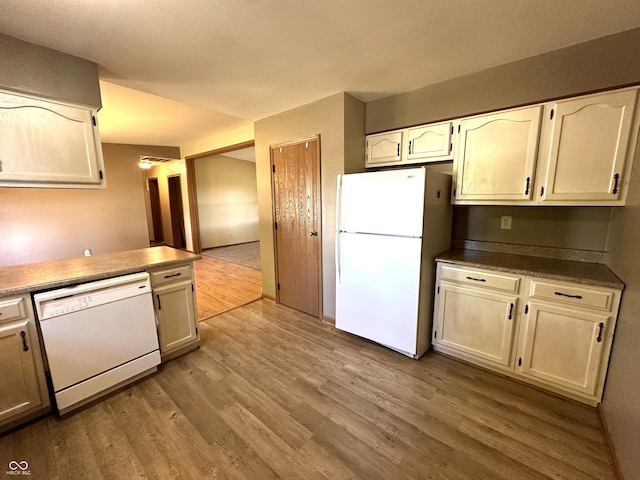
<point x="314" y="234"/>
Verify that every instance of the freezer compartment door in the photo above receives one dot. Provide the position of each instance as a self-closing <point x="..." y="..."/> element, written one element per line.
<point x="386" y="202"/>
<point x="377" y="289"/>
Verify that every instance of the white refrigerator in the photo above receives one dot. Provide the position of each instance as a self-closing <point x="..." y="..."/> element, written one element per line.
<point x="390" y="226"/>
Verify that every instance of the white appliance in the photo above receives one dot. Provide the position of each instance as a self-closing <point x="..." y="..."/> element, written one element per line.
<point x="97" y="337"/>
<point x="391" y="225"/>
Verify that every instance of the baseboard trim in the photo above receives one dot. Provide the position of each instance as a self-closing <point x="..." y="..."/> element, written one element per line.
<point x="610" y="445"/>
<point x="329" y="320"/>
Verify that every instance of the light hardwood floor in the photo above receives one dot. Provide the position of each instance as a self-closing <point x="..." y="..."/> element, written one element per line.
<point x="222" y="286"/>
<point x="274" y="393"/>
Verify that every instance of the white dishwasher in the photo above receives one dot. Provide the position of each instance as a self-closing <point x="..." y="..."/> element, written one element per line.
<point x="97" y="337"/>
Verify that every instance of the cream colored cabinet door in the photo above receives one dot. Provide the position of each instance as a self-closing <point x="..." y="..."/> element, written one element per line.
<point x="475" y="323"/>
<point x="496" y="157"/>
<point x="563" y="347"/>
<point x="384" y="148"/>
<point x="430" y="142"/>
<point x="588" y="146"/>
<point x="175" y="310"/>
<point x="22" y="382"/>
<point x="48" y="144"/>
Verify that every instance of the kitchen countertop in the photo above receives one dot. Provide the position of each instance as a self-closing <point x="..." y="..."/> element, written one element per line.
<point x="596" y="274"/>
<point x="33" y="277"/>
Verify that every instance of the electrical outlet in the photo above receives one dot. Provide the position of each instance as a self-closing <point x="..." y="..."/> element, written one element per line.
<point x="505" y="223"/>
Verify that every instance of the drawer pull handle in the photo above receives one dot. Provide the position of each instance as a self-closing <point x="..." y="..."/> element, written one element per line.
<point x="560" y="294"/>
<point x="174" y="275"/>
<point x="600" y="327"/>
<point x="25" y="347"/>
<point x="510" y="311"/>
<point x="476" y="279"/>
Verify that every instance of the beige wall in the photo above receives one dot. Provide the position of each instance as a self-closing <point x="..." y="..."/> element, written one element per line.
<point x="603" y="63"/>
<point x="327" y="118"/>
<point x="227" y="201"/>
<point x="221" y="140"/>
<point x="30" y="68"/>
<point x="47" y="224"/>
<point x="162" y="172"/>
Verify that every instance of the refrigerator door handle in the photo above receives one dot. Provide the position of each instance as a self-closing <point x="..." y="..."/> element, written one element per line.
<point x="339" y="203"/>
<point x="338" y="257"/>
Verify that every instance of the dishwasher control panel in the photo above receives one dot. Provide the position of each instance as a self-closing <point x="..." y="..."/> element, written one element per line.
<point x="55" y="308"/>
<point x="68" y="300"/>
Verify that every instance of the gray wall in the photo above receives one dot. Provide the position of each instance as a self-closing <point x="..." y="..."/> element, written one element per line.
<point x="603" y="63"/>
<point x="29" y="68"/>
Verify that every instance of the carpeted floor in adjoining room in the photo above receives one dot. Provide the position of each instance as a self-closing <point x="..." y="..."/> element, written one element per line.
<point x="246" y="254"/>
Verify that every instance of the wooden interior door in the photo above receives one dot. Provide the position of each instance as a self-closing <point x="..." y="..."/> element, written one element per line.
<point x="156" y="212"/>
<point x="296" y="189"/>
<point x="177" y="215"/>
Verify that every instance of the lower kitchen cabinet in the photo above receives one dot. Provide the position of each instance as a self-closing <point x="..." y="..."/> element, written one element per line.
<point x="555" y="335"/>
<point x="174" y="302"/>
<point x="566" y="335"/>
<point x="476" y="322"/>
<point x="23" y="388"/>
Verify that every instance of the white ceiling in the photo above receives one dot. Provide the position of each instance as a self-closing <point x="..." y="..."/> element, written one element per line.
<point x="208" y="66"/>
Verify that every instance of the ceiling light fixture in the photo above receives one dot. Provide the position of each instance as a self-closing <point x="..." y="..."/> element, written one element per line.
<point x="146" y="164"/>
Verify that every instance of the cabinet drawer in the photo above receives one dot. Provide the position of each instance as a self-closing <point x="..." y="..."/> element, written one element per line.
<point x="170" y="275"/>
<point x="481" y="278"/>
<point x="12" y="309"/>
<point x="573" y="294"/>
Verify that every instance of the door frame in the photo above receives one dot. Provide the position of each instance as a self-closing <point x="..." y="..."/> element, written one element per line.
<point x="318" y="204"/>
<point x="190" y="165"/>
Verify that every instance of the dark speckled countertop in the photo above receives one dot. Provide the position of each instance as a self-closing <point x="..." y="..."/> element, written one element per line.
<point x="596" y="274"/>
<point x="58" y="273"/>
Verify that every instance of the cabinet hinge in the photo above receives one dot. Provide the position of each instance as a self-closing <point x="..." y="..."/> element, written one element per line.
<point x="192" y="288"/>
<point x="451" y="129"/>
<point x="101" y="175"/>
<point x="454" y="193"/>
<point x="196" y="330"/>
<point x="278" y="286"/>
<point x="551" y="115"/>
<point x="435" y="334"/>
<point x="276" y="225"/>
<point x="520" y="361"/>
<point x="458" y="128"/>
<point x="526" y="309"/>
<point x="93" y="119"/>
<point x="273" y="168"/>
<point x="542" y="191"/>
<point x="438" y="289"/>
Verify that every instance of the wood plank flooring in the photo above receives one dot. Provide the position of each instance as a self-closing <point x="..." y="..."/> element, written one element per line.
<point x="275" y="394"/>
<point x="222" y="286"/>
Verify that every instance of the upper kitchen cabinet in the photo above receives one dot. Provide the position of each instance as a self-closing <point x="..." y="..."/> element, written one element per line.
<point x="430" y="142"/>
<point x="384" y="149"/>
<point x="587" y="148"/>
<point x="496" y="157"/>
<point x="48" y="144"/>
<point x="421" y="144"/>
